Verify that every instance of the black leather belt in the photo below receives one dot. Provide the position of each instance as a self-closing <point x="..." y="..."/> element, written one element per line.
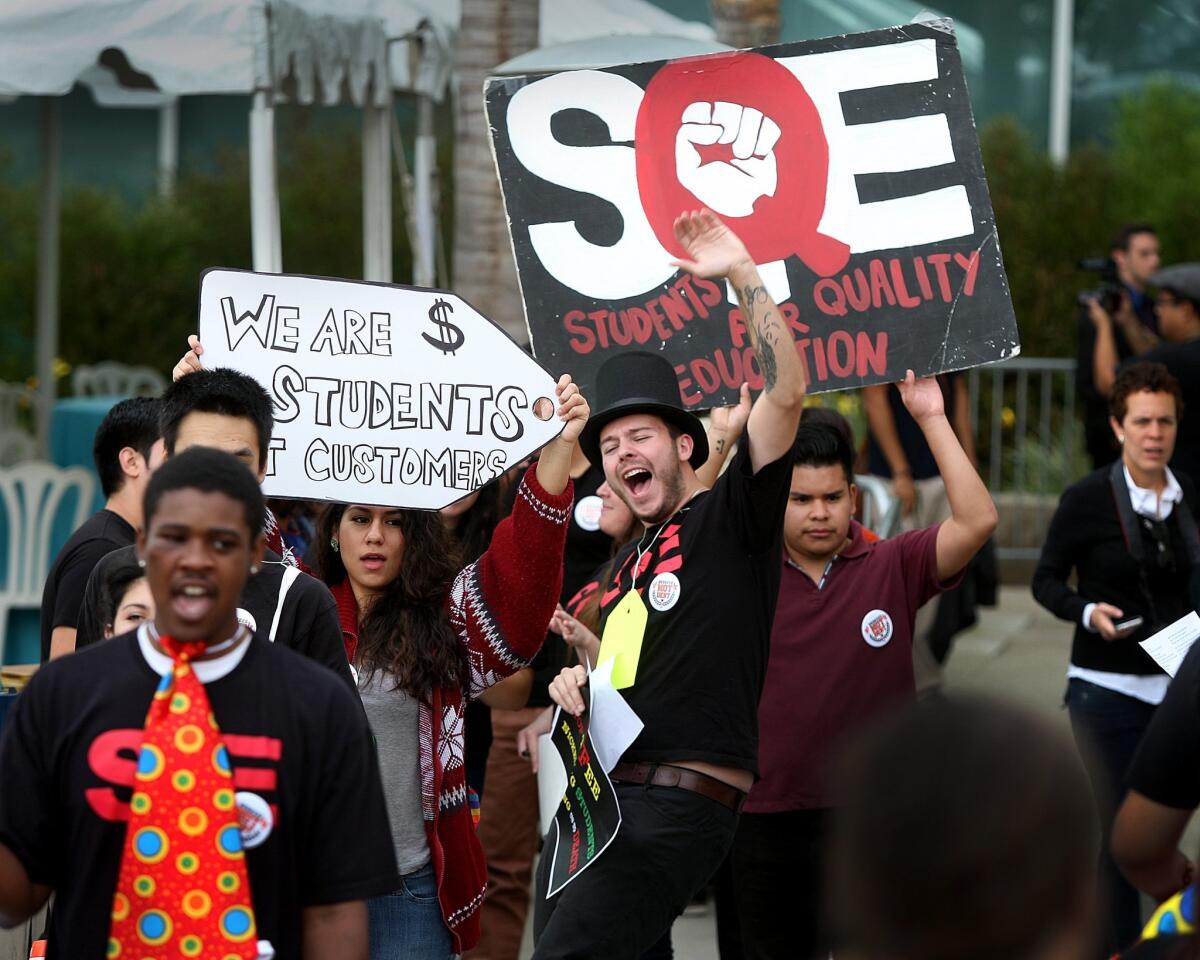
<point x="667" y="775"/>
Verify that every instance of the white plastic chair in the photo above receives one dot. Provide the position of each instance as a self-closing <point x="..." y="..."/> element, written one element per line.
<point x="32" y="494"/>
<point x="111" y="379"/>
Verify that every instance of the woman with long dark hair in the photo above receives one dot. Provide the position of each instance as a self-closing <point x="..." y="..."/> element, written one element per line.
<point x="426" y="636"/>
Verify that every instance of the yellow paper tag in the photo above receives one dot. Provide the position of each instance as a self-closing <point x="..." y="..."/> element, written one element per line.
<point x="622" y="640"/>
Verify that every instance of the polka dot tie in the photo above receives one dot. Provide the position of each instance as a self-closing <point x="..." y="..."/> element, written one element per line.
<point x="183" y="889"/>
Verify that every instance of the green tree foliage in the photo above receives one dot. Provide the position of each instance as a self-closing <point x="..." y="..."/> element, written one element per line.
<point x="130" y="277"/>
<point x="1049" y="218"/>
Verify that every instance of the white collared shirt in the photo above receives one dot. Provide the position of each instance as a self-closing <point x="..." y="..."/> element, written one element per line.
<point x="1149" y="689"/>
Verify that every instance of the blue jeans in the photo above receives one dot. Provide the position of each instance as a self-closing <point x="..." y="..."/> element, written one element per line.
<point x="1108" y="727"/>
<point x="407" y="923"/>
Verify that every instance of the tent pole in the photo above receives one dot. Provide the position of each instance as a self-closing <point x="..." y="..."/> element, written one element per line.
<point x="377" y="192"/>
<point x="48" y="267"/>
<point x="168" y="147"/>
<point x="1060" y="80"/>
<point x="424" y="163"/>
<point x="264" y="188"/>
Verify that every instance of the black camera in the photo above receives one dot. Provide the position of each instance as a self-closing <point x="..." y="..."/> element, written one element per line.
<point x="1109" y="292"/>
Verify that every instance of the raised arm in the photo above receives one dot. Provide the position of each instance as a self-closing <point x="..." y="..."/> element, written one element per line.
<point x="500" y="604"/>
<point x="725" y="426"/>
<point x="716" y="252"/>
<point x="1104" y="353"/>
<point x="972" y="513"/>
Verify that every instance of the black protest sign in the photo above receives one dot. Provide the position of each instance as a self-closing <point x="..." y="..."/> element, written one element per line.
<point x="850" y="167"/>
<point x="588" y="816"/>
<point x="382" y="394"/>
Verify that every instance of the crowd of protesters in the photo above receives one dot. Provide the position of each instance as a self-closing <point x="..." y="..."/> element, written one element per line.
<point x="261" y="734"/>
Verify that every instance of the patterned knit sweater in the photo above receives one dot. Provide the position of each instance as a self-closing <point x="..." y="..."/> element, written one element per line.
<point x="499" y="607"/>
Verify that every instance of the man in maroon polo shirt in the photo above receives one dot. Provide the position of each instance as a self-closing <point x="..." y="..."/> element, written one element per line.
<point x="841" y="652"/>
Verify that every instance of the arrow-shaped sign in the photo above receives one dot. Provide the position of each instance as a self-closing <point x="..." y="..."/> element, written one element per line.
<point x="389" y="395"/>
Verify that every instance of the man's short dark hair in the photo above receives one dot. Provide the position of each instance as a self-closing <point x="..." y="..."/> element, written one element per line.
<point x="822" y="445"/>
<point x="831" y="418"/>
<point x="131" y="423"/>
<point x="222" y="391"/>
<point x="1122" y="237"/>
<point x="1139" y="377"/>
<point x="209" y="471"/>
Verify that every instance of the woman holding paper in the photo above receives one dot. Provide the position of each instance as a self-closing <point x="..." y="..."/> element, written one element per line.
<point x="1128" y="535"/>
<point x="426" y="637"/>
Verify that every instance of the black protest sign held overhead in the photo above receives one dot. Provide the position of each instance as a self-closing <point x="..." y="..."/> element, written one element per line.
<point x="849" y="166"/>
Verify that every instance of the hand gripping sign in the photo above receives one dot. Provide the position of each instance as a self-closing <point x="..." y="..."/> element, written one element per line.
<point x="849" y="166"/>
<point x="387" y="395"/>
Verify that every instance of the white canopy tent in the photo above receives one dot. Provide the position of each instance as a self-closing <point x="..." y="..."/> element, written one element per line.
<point x="150" y="52"/>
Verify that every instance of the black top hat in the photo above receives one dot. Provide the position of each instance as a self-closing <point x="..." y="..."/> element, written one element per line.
<point x="639" y="382"/>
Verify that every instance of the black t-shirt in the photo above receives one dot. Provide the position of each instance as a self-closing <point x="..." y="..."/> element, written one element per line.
<point x="1165" y="767"/>
<point x="308" y="622"/>
<point x="709" y="583"/>
<point x="1183" y="360"/>
<point x="296" y="737"/>
<point x="100" y="534"/>
<point x="587" y="547"/>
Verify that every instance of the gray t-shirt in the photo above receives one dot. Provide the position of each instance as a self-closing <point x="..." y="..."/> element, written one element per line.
<point x="395" y="724"/>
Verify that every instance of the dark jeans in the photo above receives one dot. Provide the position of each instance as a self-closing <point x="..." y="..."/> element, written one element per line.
<point x="669" y="844"/>
<point x="1108" y="727"/>
<point x="778" y="866"/>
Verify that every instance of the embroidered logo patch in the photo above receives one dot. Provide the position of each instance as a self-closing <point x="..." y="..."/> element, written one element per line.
<point x="877" y="628"/>
<point x="587" y="513"/>
<point x="664" y="591"/>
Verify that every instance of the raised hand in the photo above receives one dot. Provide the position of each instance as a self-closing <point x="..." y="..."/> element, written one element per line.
<point x="922" y="398"/>
<point x="725" y="155"/>
<point x="573" y="409"/>
<point x="190" y="361"/>
<point x="727" y="423"/>
<point x="714" y="250"/>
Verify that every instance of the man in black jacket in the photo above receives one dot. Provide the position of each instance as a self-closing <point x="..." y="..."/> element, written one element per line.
<point x="232" y="412"/>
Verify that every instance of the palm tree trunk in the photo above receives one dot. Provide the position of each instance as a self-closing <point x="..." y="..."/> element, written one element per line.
<point x="492" y="31"/>
<point x="746" y="23"/>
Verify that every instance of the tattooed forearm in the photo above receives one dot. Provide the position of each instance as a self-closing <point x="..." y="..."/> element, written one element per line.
<point x="761" y="325"/>
<point x="721" y="445"/>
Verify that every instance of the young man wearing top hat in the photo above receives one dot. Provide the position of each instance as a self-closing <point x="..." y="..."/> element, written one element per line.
<point x="703" y="580"/>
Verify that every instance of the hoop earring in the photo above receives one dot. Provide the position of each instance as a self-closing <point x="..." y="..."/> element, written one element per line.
<point x="333" y="542"/>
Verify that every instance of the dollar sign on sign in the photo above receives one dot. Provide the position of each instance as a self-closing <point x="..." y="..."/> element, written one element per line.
<point x="451" y="336"/>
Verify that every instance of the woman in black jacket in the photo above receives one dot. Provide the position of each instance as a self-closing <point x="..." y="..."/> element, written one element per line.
<point x="1127" y="533"/>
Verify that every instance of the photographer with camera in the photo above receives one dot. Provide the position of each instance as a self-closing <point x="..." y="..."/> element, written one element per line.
<point x="1116" y="321"/>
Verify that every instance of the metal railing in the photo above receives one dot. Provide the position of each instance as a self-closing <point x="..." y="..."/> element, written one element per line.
<point x="1030" y="443"/>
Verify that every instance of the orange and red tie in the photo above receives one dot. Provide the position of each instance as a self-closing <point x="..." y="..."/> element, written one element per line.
<point x="183" y="890"/>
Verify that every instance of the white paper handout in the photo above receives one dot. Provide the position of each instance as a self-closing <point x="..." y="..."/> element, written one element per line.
<point x="1170" y="645"/>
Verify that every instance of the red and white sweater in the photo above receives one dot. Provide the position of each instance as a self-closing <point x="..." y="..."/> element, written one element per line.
<point x="499" y="607"/>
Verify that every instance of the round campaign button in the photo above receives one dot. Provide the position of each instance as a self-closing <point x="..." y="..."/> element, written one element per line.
<point x="246" y="619"/>
<point x="255" y="819"/>
<point x="587" y="513"/>
<point x="877" y="628"/>
<point x="664" y="591"/>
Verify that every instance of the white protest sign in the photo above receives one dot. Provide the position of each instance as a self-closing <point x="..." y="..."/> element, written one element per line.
<point x="388" y="395"/>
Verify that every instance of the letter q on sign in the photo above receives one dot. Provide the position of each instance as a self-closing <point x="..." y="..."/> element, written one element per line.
<point x="762" y="163"/>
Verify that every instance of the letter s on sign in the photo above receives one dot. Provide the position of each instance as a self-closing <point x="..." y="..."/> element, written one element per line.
<point x="609" y="172"/>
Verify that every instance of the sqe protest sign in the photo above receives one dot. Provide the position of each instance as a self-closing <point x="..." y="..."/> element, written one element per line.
<point x="850" y="167"/>
<point x="382" y="394"/>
